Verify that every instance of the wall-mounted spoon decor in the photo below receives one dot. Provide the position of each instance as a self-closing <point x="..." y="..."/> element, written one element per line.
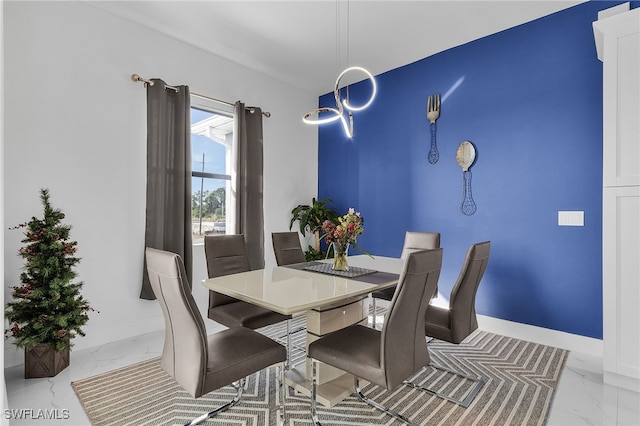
<point x="465" y="156"/>
<point x="433" y="112"/>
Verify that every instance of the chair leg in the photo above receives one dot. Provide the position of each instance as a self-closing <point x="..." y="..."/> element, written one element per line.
<point x="282" y="408"/>
<point x="378" y="406"/>
<point x="239" y="388"/>
<point x="288" y="342"/>
<point x="288" y="365"/>
<point x="479" y="383"/>
<point x="374" y="312"/>
<point x="314" y="392"/>
<point x="361" y="396"/>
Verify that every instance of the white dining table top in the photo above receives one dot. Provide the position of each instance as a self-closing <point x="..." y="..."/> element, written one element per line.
<point x="288" y="290"/>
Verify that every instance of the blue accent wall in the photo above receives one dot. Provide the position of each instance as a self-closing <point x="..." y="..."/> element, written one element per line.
<point x="530" y="100"/>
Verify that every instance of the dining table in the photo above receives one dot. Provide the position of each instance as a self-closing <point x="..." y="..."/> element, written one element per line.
<point x="331" y="300"/>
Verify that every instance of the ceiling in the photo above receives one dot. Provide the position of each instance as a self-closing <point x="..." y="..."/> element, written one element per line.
<point x="308" y="43"/>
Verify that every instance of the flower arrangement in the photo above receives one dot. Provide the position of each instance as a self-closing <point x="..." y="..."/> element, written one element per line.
<point x="340" y="235"/>
<point x="310" y="218"/>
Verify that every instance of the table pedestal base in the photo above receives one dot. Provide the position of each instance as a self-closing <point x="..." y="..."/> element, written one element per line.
<point x="329" y="394"/>
<point x="334" y="385"/>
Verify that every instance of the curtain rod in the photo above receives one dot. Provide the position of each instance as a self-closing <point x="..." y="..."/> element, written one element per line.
<point x="136" y="78"/>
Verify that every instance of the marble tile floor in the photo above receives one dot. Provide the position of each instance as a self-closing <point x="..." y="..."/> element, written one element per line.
<point x="581" y="397"/>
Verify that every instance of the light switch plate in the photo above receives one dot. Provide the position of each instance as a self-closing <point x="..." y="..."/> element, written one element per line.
<point x="571" y="218"/>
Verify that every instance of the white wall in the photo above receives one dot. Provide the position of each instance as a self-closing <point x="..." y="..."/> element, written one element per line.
<point x="75" y="123"/>
<point x="4" y="402"/>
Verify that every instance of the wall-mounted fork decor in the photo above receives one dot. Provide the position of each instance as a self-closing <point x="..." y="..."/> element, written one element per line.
<point x="433" y="112"/>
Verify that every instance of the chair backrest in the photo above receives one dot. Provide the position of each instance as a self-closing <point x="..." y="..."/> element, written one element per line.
<point x="184" y="355"/>
<point x="462" y="303"/>
<point x="404" y="347"/>
<point x="225" y="254"/>
<point x="416" y="241"/>
<point x="287" y="248"/>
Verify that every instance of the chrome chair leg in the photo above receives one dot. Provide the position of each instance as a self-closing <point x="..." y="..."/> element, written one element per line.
<point x="282" y="408"/>
<point x="359" y="393"/>
<point x="239" y="388"/>
<point x="314" y="392"/>
<point x="287" y="340"/>
<point x="289" y="343"/>
<point x="374" y="312"/>
<point x="288" y="365"/>
<point x="479" y="383"/>
<point x="379" y="406"/>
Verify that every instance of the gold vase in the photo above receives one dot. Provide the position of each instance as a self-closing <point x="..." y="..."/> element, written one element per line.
<point x="340" y="252"/>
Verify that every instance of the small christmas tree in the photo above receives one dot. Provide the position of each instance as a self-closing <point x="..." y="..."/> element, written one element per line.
<point x="48" y="307"/>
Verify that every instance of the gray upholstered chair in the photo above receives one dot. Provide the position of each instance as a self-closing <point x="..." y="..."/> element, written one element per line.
<point x="201" y="363"/>
<point x="413" y="241"/>
<point x="288" y="251"/>
<point x="287" y="248"/>
<point x="227" y="254"/>
<point x="385" y="358"/>
<point x="459" y="320"/>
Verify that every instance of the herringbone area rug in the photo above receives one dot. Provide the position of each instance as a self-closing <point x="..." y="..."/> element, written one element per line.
<point x="520" y="380"/>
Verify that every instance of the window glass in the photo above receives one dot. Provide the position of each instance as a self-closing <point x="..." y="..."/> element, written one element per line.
<point x="211" y="153"/>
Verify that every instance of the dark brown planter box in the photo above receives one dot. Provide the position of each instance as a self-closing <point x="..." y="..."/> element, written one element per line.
<point x="43" y="361"/>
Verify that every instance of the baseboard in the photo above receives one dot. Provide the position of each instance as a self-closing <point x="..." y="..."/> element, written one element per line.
<point x="625" y="382"/>
<point x="545" y="336"/>
<point x="14" y="356"/>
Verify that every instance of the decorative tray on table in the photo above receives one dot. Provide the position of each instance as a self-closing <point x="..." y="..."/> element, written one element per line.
<point x="326" y="268"/>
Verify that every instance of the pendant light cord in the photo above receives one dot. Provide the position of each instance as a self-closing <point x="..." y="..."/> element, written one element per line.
<point x="325" y="115"/>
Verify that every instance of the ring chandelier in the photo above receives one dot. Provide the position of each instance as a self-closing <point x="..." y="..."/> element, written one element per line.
<point x="337" y="113"/>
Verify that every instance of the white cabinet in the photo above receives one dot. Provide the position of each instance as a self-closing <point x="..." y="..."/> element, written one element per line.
<point x="621" y="285"/>
<point x="617" y="35"/>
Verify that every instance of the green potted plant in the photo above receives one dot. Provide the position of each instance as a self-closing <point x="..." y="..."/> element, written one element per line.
<point x="310" y="218"/>
<point x="48" y="310"/>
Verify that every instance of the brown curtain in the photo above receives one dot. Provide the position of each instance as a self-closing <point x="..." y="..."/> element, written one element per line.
<point x="168" y="212"/>
<point x="249" y="196"/>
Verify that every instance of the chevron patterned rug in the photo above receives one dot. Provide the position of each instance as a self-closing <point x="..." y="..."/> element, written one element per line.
<point x="520" y="380"/>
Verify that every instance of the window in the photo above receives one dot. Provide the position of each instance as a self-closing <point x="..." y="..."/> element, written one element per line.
<point x="211" y="154"/>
